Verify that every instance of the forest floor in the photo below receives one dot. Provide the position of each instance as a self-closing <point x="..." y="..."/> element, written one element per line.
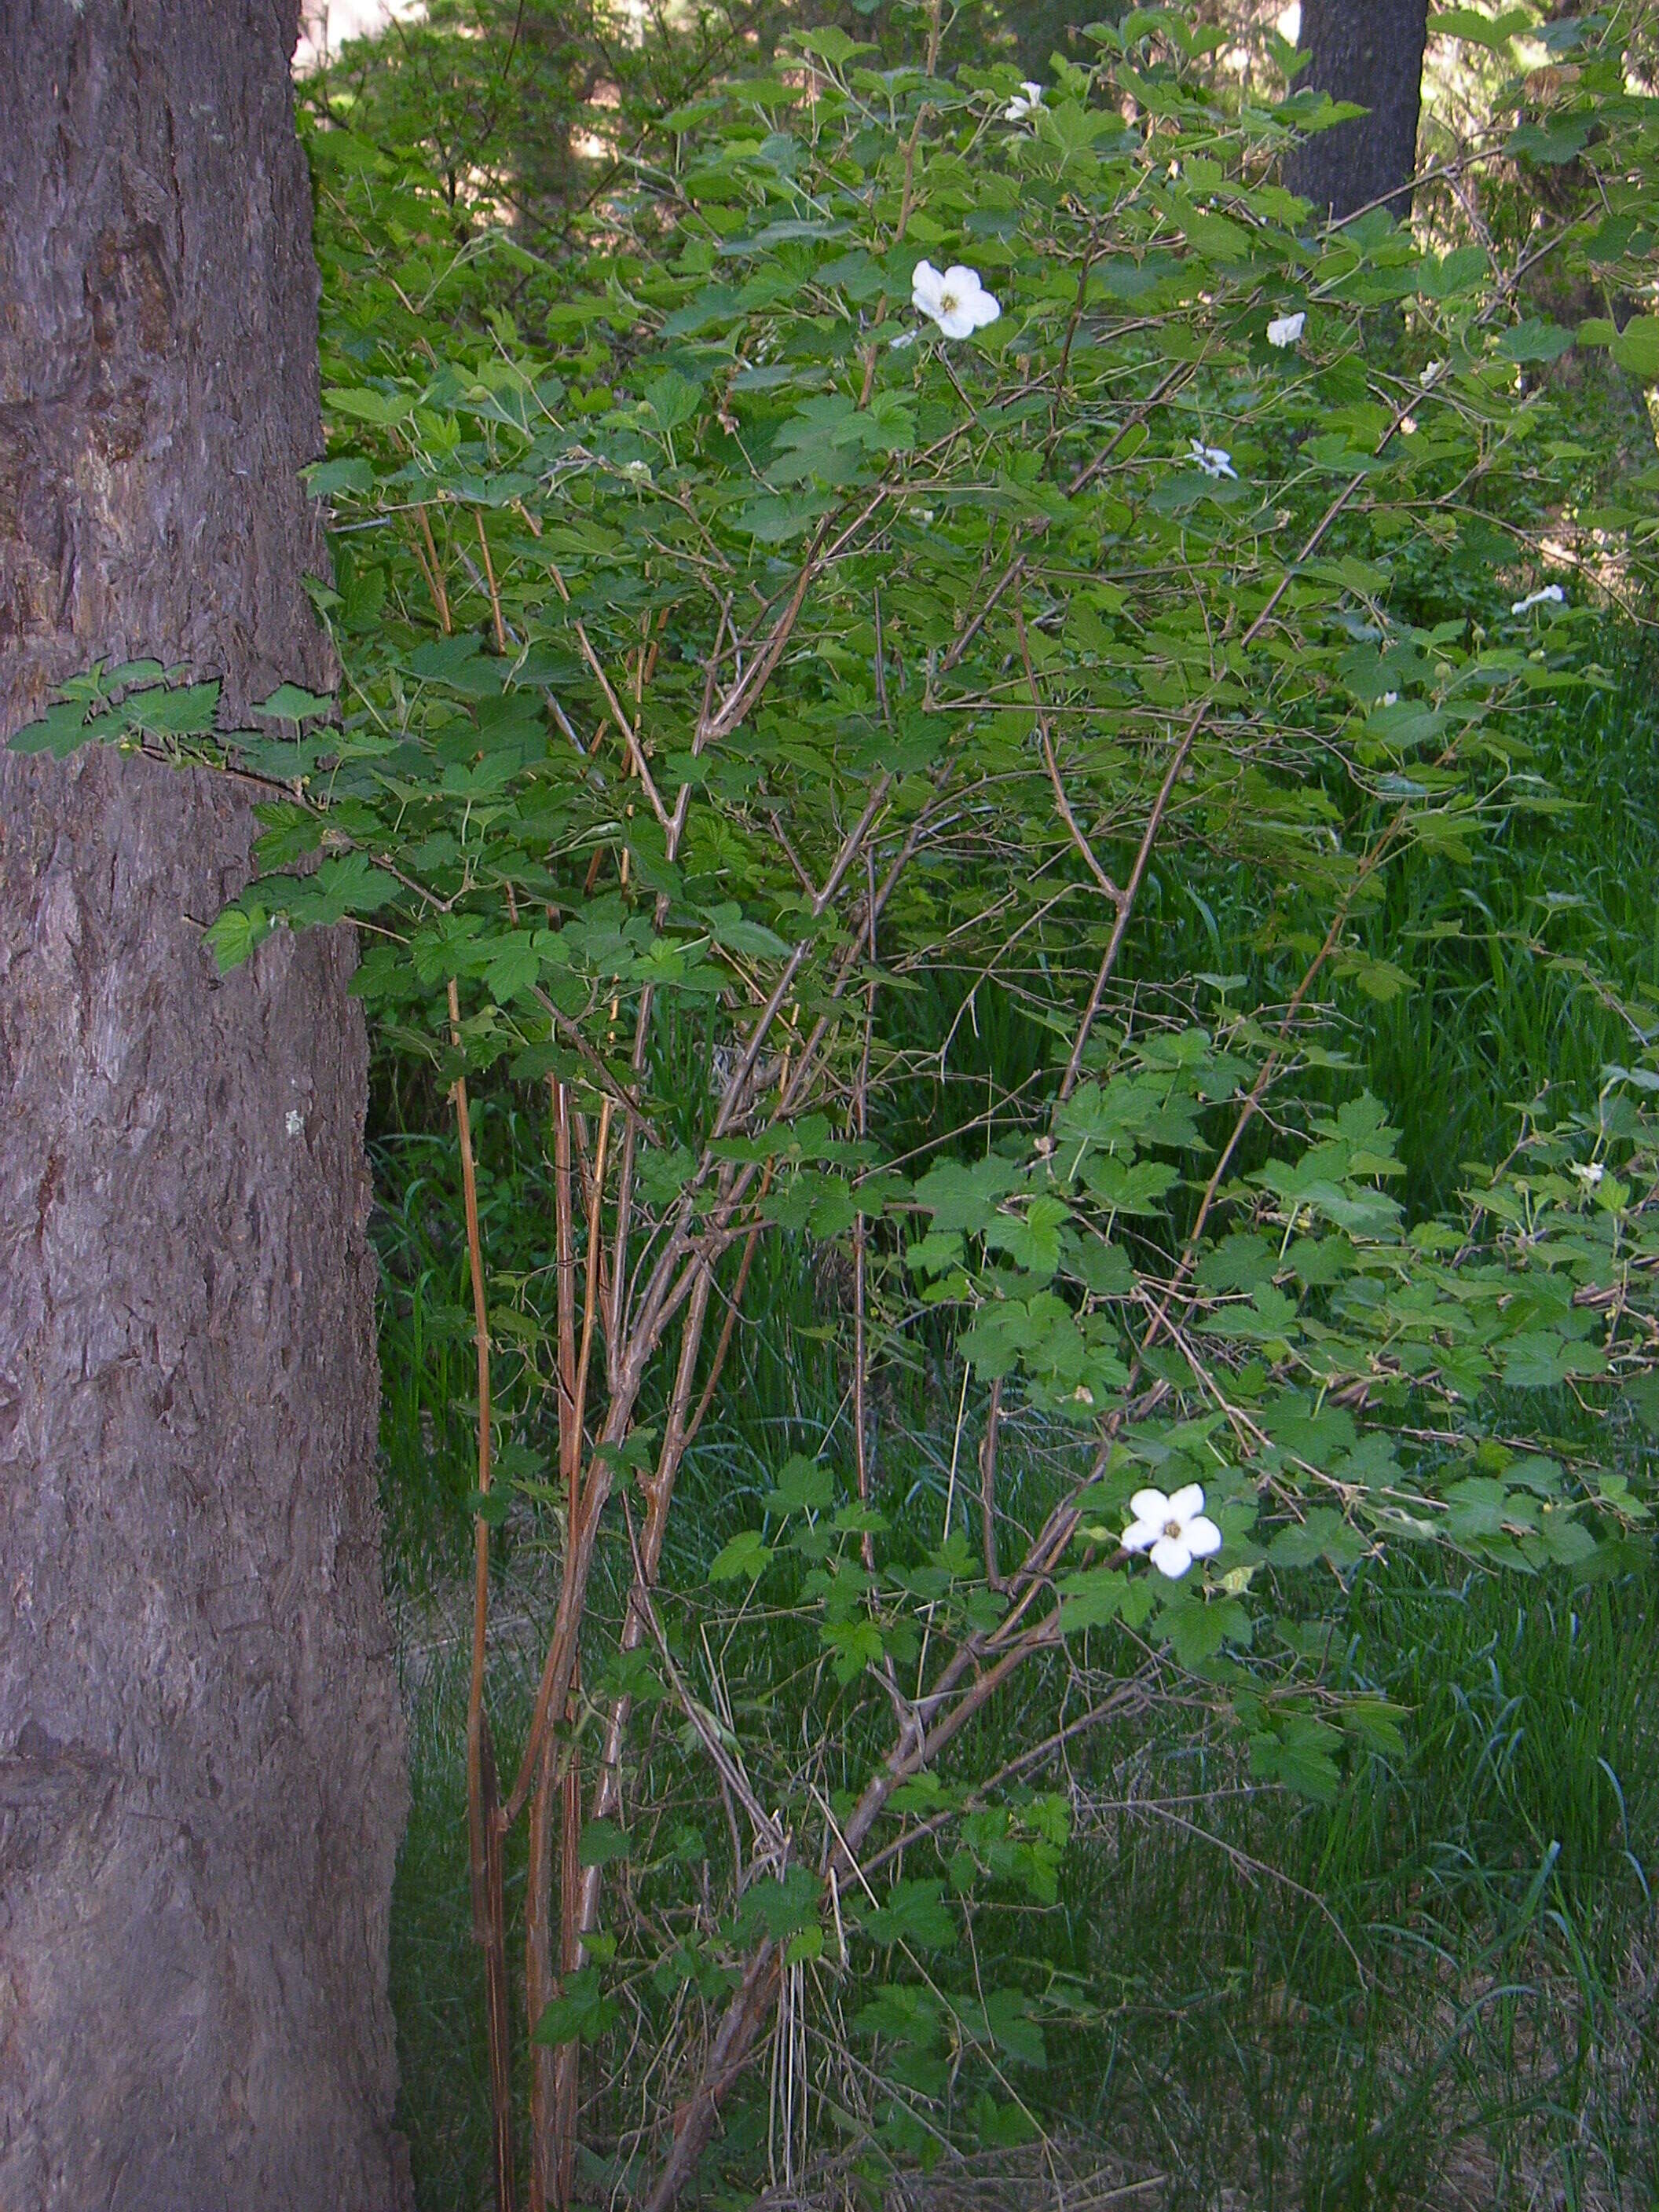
<point x="1431" y="2029"/>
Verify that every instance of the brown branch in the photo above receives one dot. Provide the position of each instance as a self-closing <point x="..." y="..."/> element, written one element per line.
<point x="1126" y="901"/>
<point x="489" y="575"/>
<point x="988" y="1485"/>
<point x="489" y="1919"/>
<point x="746" y="2014"/>
<point x="1131" y="889"/>
<point x="581" y="1524"/>
<point x="618" y="714"/>
<point x="733" y="1306"/>
<point x="712" y="728"/>
<point x="435" y="574"/>
<point x="1046" y="741"/>
<point x="545" y="2132"/>
<point x="750" y="2009"/>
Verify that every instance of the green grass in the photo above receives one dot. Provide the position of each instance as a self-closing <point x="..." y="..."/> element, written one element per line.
<point x="1435" y="1990"/>
<point x="1467" y="2004"/>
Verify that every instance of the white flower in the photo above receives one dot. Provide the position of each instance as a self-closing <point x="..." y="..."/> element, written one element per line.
<point x="1551" y="595"/>
<point x="1589" y="1172"/>
<point x="1390" y="698"/>
<point x="295" y="1123"/>
<point x="1285" y="330"/>
<point x="1213" y="460"/>
<point x="1026" y="102"/>
<point x="956" y="302"/>
<point x="1432" y="373"/>
<point x="904" y="338"/>
<point x="1173" y="1529"/>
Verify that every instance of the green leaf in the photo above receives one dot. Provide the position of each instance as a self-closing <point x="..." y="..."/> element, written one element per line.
<point x="914" y="1912"/>
<point x="1494" y="32"/>
<point x="1560" y="140"/>
<point x="1324" y="1534"/>
<point x="1642" y="1395"/>
<point x="1636" y="346"/>
<point x="1301" y="1759"/>
<point x="580" y="2012"/>
<point x="744" y="1557"/>
<point x="351" y="473"/>
<point x="1008" y="2019"/>
<point x="965" y="1198"/>
<point x="379" y="409"/>
<point x="1138" y="1190"/>
<point x="803" y="1485"/>
<point x="189" y="711"/>
<point x="235" y="933"/>
<point x="728" y="927"/>
<point x="1100" y="1595"/>
<point x="1376" y="1724"/>
<point x="602" y="1842"/>
<point x="61" y="729"/>
<point x="856" y="1645"/>
<point x="289" y="703"/>
<point x="349" y="884"/>
<point x="1534" y="340"/>
<point x="831" y="44"/>
<point x="1196" y="1631"/>
<point x="673" y="398"/>
<point x="782" y="1908"/>
<point x="1568" y="1542"/>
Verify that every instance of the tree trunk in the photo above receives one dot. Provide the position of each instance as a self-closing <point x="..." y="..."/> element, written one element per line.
<point x="1370" y="51"/>
<point x="201" y="1770"/>
<point x="1044" y="29"/>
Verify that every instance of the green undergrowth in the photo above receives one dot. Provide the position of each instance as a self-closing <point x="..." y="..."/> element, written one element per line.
<point x="1436" y="1988"/>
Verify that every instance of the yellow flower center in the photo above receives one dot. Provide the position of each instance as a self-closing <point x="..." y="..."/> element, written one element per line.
<point x="1172" y="1528"/>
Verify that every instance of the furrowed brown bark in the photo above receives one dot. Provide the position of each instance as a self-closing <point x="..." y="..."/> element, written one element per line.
<point x="201" y="1760"/>
<point x="1370" y="51"/>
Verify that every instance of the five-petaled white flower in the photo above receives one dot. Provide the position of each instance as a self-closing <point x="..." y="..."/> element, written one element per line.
<point x="1285" y="330"/>
<point x="1551" y="595"/>
<point x="1174" y="1529"/>
<point x="1589" y="1172"/>
<point x="1214" y="460"/>
<point x="956" y="302"/>
<point x="1024" y="103"/>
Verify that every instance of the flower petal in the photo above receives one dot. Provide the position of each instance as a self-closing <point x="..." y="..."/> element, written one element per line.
<point x="1150" y="1505"/>
<point x="1141" y="1535"/>
<point x="1185" y="1503"/>
<point x="927" y="287"/>
<point x="1202" y="1536"/>
<point x="1171" y="1558"/>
